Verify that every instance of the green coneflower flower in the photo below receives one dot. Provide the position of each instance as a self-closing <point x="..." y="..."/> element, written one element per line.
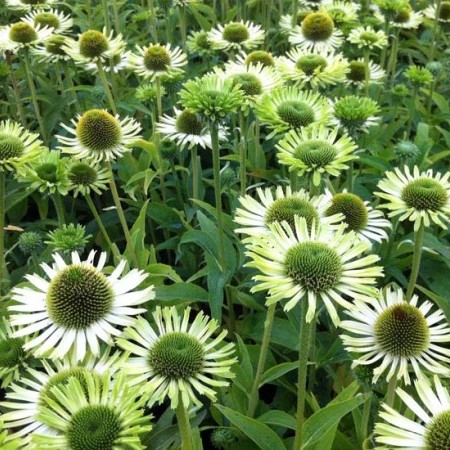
<point x="26" y="397"/>
<point x="418" y="196"/>
<point x="356" y="75"/>
<point x="443" y="15"/>
<point x="21" y="34"/>
<point x="419" y="76"/>
<point x="95" y="413"/>
<point x="84" y="177"/>
<point x="256" y="57"/>
<point x="390" y="8"/>
<point x="286" y="20"/>
<point x="235" y="36"/>
<point x="199" y="44"/>
<point x="314" y="68"/>
<point x="48" y="173"/>
<point x="223" y="438"/>
<point x="29" y="5"/>
<point x="405" y="18"/>
<point x="30" y="243"/>
<point x="430" y="428"/>
<point x="157" y="60"/>
<point x="407" y="151"/>
<point x="99" y="136"/>
<point x="6" y="443"/>
<point x="255" y="216"/>
<point x="397" y="335"/>
<point x="212" y="96"/>
<point x="341" y="11"/>
<point x="291" y="108"/>
<point x="115" y="63"/>
<point x="316" y="151"/>
<point x="77" y="306"/>
<point x="52" y="49"/>
<point x="187" y="129"/>
<point x="58" y="21"/>
<point x="180" y="359"/>
<point x="359" y="216"/>
<point x="67" y="239"/>
<point x="316" y="32"/>
<point x="322" y="263"/>
<point x="17" y="145"/>
<point x="355" y="114"/>
<point x="93" y="46"/>
<point x="367" y="37"/>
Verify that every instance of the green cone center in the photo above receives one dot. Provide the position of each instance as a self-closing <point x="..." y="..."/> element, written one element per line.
<point x="188" y="122"/>
<point x="94" y="427"/>
<point x="296" y="114"/>
<point x="177" y="355"/>
<point x="357" y="71"/>
<point x="424" y="194"/>
<point x="352" y="207"/>
<point x="11" y="352"/>
<point x="93" y="44"/>
<point x="310" y="64"/>
<point x="316" y="153"/>
<point x="317" y="26"/>
<point x="54" y="45"/>
<point x="402" y="331"/>
<point x="157" y="58"/>
<point x="403" y="16"/>
<point x="79" y="296"/>
<point x="289" y="207"/>
<point x="235" y="32"/>
<point x="314" y="266"/>
<point x="260" y="56"/>
<point x="46" y="20"/>
<point x="22" y="33"/>
<point x="368" y="37"/>
<point x="10" y="147"/>
<point x="444" y="11"/>
<point x="82" y="174"/>
<point x="48" y="172"/>
<point x="249" y="83"/>
<point x="437" y="434"/>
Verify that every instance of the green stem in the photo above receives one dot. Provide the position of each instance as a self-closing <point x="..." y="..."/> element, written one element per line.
<point x="294" y="13"/>
<point x="243" y="152"/>
<point x="187" y="441"/>
<point x="430" y="95"/>
<point x="100" y="224"/>
<point x="435" y="31"/>
<point x="16" y="91"/>
<point x="115" y="8"/>
<point x="410" y="121"/>
<point x="178" y="188"/>
<point x="218" y="192"/>
<point x="34" y="99"/>
<point x="393" y="61"/>
<point x="71" y="86"/>
<point x="390" y="394"/>
<point x="182" y="11"/>
<point x="106" y="15"/>
<point x="104" y="80"/>
<point x="254" y="397"/>
<point x="158" y="97"/>
<point x="60" y="210"/>
<point x="195" y="174"/>
<point x="350" y="177"/>
<point x="294" y="180"/>
<point x="367" y="71"/>
<point x="2" y="231"/>
<point x="303" y="353"/>
<point x="365" y="419"/>
<point x="418" y="241"/>
<point x="121" y="215"/>
<point x="156" y="138"/>
<point x="151" y="8"/>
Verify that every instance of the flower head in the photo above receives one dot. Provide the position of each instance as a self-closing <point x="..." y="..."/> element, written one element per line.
<point x="405" y="18"/>
<point x="356" y="75"/>
<point x="29" y="5"/>
<point x="84" y="177"/>
<point x="291" y="108"/>
<point x="180" y="359"/>
<point x="317" y="31"/>
<point x="256" y="57"/>
<point x="367" y="37"/>
<point x="316" y="151"/>
<point x="54" y="19"/>
<point x="341" y="11"/>
<point x="321" y="263"/>
<point x="52" y="50"/>
<point x="235" y="36"/>
<point x="31" y="243"/>
<point x="157" y="60"/>
<point x="22" y="35"/>
<point x="93" y="413"/>
<point x="396" y="335"/>
<point x="211" y="96"/>
<point x="419" y="76"/>
<point x="198" y="43"/>
<point x="441" y="14"/>
<point x="77" y="306"/>
<point x="429" y="429"/>
<point x="17" y="145"/>
<point x="420" y="197"/>
<point x="67" y="239"/>
<point x="99" y="136"/>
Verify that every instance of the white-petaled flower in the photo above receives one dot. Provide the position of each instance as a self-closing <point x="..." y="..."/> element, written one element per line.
<point x="52" y="49"/>
<point x="394" y="335"/>
<point x="180" y="360"/>
<point x="420" y="197"/>
<point x="56" y="20"/>
<point x="116" y="63"/>
<point x="358" y="215"/>
<point x="291" y="108"/>
<point x="84" y="177"/>
<point x="13" y="358"/>
<point x="316" y="32"/>
<point x="285" y="24"/>
<point x="255" y="216"/>
<point x="99" y="136"/>
<point x="17" y="145"/>
<point x="236" y="36"/>
<point x="93" y="413"/>
<point x="254" y="79"/>
<point x="255" y="57"/>
<point x="21" y="34"/>
<point x="443" y="15"/>
<point x="157" y="60"/>
<point x="356" y="75"/>
<point x="26" y="397"/>
<point x="77" y="306"/>
<point x="198" y="43"/>
<point x="367" y="37"/>
<point x="321" y="263"/>
<point x="94" y="46"/>
<point x="29" y="5"/>
<point x="313" y="68"/>
<point x="341" y="11"/>
<point x="429" y="430"/>
<point x="406" y="18"/>
<point x="316" y="151"/>
<point x="187" y="129"/>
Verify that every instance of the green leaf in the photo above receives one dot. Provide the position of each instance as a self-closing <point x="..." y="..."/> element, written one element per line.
<point x="180" y="293"/>
<point x="244" y="371"/>
<point x="278" y="418"/>
<point x="259" y="433"/>
<point x="278" y="371"/>
<point x="138" y="238"/>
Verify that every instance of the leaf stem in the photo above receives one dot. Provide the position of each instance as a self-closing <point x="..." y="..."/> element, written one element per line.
<point x="418" y="242"/>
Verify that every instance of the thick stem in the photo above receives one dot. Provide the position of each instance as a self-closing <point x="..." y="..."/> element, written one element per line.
<point x="254" y="397"/>
<point x="195" y="174"/>
<point x="100" y="224"/>
<point x="393" y="61"/>
<point x="34" y="99"/>
<point x="303" y="354"/>
<point x="182" y="11"/>
<point x="390" y="394"/>
<point x="156" y="139"/>
<point x="218" y="192"/>
<point x="418" y="241"/>
<point x="243" y="152"/>
<point x="60" y="211"/>
<point x="413" y="108"/>
<point x="106" y="15"/>
<point x="294" y="13"/>
<point x="293" y="175"/>
<point x="365" y="419"/>
<point x="350" y="177"/>
<point x="2" y="231"/>
<point x="178" y="188"/>
<point x="367" y="71"/>
<point x="16" y="91"/>
<point x="121" y="215"/>
<point x="435" y="31"/>
<point x="104" y="80"/>
<point x="187" y="441"/>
